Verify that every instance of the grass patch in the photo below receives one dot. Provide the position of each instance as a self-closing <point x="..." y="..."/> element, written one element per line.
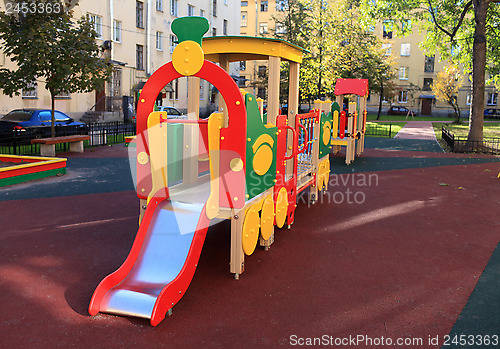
<point x="373" y="117"/>
<point x="490" y="129"/>
<point x="383" y="129"/>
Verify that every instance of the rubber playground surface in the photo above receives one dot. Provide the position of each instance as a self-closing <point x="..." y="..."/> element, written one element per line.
<point x="404" y="245"/>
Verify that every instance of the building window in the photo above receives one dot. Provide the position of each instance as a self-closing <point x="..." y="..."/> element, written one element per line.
<point x="403" y="96"/>
<point x="224" y="27"/>
<point x="262" y="71"/>
<point x="214" y="8"/>
<point x="139" y="57"/>
<point x="492" y="99"/>
<point x="263" y="5"/>
<point x="387" y="30"/>
<point x="159" y="41"/>
<point x="403" y="73"/>
<point x="159" y="5"/>
<point x="173" y="43"/>
<point x="202" y="90"/>
<point x="429" y="64"/>
<point x="468" y="99"/>
<point x="97" y="24"/>
<point x="243" y="65"/>
<point x="176" y="89"/>
<point x="117" y="31"/>
<point x="406" y="25"/>
<point x="31" y="90"/>
<point x="174" y="7"/>
<point x="263" y="28"/>
<point x="244" y="17"/>
<point x="261" y="93"/>
<point x="280" y="28"/>
<point x="63" y="95"/>
<point x="281" y="5"/>
<point x="214" y="31"/>
<point x="202" y="13"/>
<point x="241" y="81"/>
<point x="405" y="49"/>
<point x="190" y="10"/>
<point x="244" y="3"/>
<point x="139" y="14"/>
<point x="387" y="48"/>
<point x="427" y="84"/>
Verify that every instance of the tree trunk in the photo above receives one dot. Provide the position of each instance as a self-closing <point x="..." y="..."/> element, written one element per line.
<point x="52" y="117"/>
<point x="380" y="99"/>
<point x="476" y="117"/>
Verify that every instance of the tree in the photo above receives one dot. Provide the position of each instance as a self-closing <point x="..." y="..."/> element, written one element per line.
<point x="459" y="30"/>
<point x="446" y="87"/>
<point x="51" y="47"/>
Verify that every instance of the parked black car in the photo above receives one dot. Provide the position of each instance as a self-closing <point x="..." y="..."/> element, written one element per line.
<point x="39" y="119"/>
<point x="395" y="110"/>
<point x="492" y="113"/>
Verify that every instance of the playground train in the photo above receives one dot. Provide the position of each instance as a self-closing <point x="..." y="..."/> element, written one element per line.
<point x="238" y="164"/>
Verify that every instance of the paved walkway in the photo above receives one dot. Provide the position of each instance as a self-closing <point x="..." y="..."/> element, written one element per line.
<point x="417" y="130"/>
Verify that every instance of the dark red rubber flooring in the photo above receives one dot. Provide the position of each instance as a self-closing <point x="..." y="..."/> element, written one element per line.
<point x="401" y="264"/>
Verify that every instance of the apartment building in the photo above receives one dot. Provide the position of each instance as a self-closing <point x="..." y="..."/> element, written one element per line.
<point x="416" y="71"/>
<point x="257" y="20"/>
<point x="136" y="36"/>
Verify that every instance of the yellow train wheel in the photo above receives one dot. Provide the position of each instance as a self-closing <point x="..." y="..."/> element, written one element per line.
<point x="250" y="230"/>
<point x="281" y="207"/>
<point x="267" y="218"/>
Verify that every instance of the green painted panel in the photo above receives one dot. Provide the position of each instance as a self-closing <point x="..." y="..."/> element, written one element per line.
<point x="175" y="143"/>
<point x="190" y="28"/>
<point x="266" y="139"/>
<point x="32" y="176"/>
<point x="325" y="149"/>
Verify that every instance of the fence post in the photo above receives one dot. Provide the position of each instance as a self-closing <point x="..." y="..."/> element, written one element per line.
<point x="390" y="130"/>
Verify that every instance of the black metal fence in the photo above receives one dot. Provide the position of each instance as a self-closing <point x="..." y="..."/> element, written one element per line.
<point x="103" y="133"/>
<point x="460" y="144"/>
<point x="376" y="130"/>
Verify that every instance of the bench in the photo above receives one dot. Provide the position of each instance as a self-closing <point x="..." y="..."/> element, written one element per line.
<point x="48" y="145"/>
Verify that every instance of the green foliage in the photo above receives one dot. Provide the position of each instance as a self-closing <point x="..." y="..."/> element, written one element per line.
<point x="52" y="48"/>
<point x="339" y="46"/>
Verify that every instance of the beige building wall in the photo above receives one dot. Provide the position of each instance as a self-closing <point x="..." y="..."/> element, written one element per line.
<point x="257" y="20"/>
<point x="123" y="39"/>
<point x="415" y="71"/>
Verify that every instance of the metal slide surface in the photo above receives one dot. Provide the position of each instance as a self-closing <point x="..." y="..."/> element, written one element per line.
<point x="161" y="259"/>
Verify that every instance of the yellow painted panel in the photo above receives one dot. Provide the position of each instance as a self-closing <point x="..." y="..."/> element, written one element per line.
<point x="335" y="128"/>
<point x="281" y="207"/>
<point x="250" y="230"/>
<point x="215" y="123"/>
<point x="188" y="58"/>
<point x="267" y="218"/>
<point x="246" y="48"/>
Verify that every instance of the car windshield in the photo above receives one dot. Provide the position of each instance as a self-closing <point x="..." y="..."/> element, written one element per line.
<point x="18" y="115"/>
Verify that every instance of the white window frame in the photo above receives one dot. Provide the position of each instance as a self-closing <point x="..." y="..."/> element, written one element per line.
<point x="388" y="48"/>
<point x="173" y="43"/>
<point x="202" y="13"/>
<point x="190" y="10"/>
<point x="405" y="49"/>
<point x="404" y="72"/>
<point x="491" y="99"/>
<point x="468" y="99"/>
<point x="263" y="28"/>
<point x="174" y="7"/>
<point x="225" y="26"/>
<point x="159" y="5"/>
<point x="244" y="18"/>
<point x="403" y="96"/>
<point x="159" y="41"/>
<point x="30" y="93"/>
<point x="280" y="28"/>
<point x="96" y="21"/>
<point x="117" y="31"/>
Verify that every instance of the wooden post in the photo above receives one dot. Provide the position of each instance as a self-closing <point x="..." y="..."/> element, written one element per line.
<point x="293" y="109"/>
<point x="191" y="133"/>
<point x="237" y="257"/>
<point x="224" y="64"/>
<point x="273" y="96"/>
